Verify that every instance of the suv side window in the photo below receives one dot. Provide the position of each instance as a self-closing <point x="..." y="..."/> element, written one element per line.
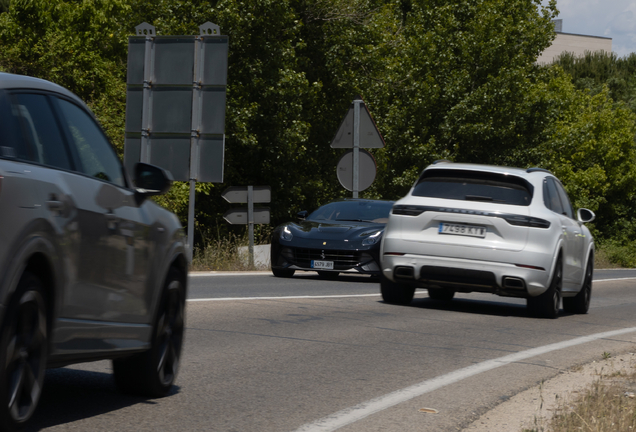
<point x="11" y="143"/>
<point x="96" y="156"/>
<point x="551" y="196"/>
<point x="567" y="207"/>
<point x="41" y="130"/>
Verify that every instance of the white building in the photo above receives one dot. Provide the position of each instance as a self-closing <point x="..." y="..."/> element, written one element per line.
<point x="573" y="43"/>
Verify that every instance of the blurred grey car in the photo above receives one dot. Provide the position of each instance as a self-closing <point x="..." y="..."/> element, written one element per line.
<point x="90" y="269"/>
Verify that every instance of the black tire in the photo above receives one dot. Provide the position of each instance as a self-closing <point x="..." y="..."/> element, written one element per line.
<point x="396" y="293"/>
<point x="547" y="304"/>
<point x="580" y="304"/>
<point x="284" y="273"/>
<point x="153" y="372"/>
<point x="328" y="275"/>
<point x="441" y="294"/>
<point x="23" y="353"/>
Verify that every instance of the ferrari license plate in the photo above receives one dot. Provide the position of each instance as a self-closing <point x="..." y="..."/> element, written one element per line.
<point x="462" y="230"/>
<point x="322" y="265"/>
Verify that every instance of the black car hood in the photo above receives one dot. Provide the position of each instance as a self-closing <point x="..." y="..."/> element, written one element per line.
<point x="340" y="230"/>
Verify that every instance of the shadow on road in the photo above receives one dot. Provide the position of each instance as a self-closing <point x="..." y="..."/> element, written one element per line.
<point x="70" y="395"/>
<point x="479" y="307"/>
<point x="342" y="277"/>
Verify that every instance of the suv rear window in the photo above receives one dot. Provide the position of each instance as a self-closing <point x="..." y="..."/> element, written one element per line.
<point x="466" y="185"/>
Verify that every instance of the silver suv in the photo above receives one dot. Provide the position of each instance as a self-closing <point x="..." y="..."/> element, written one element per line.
<point x="478" y="228"/>
<point x="90" y="268"/>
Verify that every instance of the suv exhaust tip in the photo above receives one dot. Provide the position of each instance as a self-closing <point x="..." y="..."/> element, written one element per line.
<point x="404" y="273"/>
<point x="514" y="283"/>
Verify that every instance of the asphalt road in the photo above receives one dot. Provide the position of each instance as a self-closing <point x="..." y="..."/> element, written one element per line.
<point x="270" y="354"/>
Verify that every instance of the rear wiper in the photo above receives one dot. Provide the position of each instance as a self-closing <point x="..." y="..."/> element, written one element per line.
<point x="481" y="198"/>
<point x="350" y="220"/>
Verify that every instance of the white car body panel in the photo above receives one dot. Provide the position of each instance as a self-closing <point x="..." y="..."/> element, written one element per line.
<point x="528" y="253"/>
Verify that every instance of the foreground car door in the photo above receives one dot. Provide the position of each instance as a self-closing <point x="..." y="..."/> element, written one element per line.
<point x="126" y="243"/>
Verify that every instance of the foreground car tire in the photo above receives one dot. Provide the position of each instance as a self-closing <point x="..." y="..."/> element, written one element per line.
<point x="23" y="353"/>
<point x="285" y="273"/>
<point x="152" y="373"/>
<point x="580" y="304"/>
<point x="547" y="304"/>
<point x="441" y="294"/>
<point x="396" y="293"/>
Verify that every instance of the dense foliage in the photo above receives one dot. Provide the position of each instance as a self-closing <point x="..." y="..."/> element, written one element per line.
<point x="596" y="70"/>
<point x="453" y="79"/>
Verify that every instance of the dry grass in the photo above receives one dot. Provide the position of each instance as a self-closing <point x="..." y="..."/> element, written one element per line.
<point x="608" y="405"/>
<point x="222" y="253"/>
<point x="602" y="260"/>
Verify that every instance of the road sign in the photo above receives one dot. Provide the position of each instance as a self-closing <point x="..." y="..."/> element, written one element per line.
<point x="238" y="194"/>
<point x="239" y="216"/>
<point x="370" y="137"/>
<point x="249" y="215"/>
<point x="367" y="170"/>
<point x="175" y="106"/>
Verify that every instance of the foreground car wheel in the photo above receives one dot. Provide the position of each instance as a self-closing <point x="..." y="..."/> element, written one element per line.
<point x="153" y="372"/>
<point x="23" y="351"/>
<point x="441" y="294"/>
<point x="286" y="273"/>
<point x="396" y="293"/>
<point x="547" y="304"/>
<point x="580" y="304"/>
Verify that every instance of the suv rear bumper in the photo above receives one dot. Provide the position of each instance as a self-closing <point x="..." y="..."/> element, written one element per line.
<point x="463" y="275"/>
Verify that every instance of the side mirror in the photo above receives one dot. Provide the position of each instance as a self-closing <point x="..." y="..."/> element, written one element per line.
<point x="584" y="215"/>
<point x="151" y="180"/>
<point x="302" y="214"/>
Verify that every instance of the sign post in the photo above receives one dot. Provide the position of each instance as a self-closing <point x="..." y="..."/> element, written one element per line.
<point x="357" y="130"/>
<point x="251" y="215"/>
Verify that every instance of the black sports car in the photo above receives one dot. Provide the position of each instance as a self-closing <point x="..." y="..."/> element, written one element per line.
<point x="343" y="235"/>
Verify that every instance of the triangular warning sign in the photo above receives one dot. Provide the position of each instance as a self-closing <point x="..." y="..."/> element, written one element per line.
<point x="369" y="134"/>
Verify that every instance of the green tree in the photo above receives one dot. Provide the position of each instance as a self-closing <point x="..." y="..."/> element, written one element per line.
<point x="594" y="70"/>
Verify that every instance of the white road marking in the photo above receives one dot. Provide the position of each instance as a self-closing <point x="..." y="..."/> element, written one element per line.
<point x="358" y="412"/>
<point x="323" y="296"/>
<point x="238" y="273"/>
<point x="615" y="279"/>
<point x="282" y="298"/>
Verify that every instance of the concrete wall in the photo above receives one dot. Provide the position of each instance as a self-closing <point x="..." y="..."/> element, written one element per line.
<point x="576" y="44"/>
<point x="261" y="256"/>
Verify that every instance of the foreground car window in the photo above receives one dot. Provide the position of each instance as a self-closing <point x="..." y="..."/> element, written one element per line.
<point x="369" y="211"/>
<point x="11" y="143"/>
<point x="474" y="186"/>
<point x="41" y="129"/>
<point x="95" y="152"/>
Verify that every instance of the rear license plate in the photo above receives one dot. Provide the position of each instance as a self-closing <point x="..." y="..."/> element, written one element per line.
<point x="322" y="265"/>
<point x="462" y="230"/>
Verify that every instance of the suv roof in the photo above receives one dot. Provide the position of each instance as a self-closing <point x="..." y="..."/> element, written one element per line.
<point x="520" y="172"/>
<point x="11" y="81"/>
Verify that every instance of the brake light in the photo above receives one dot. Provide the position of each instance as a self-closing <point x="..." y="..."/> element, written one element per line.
<point x="527" y="221"/>
<point x="408" y="210"/>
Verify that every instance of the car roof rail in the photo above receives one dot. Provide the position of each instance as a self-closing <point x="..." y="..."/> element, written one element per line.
<point x="441" y="161"/>
<point x="535" y="169"/>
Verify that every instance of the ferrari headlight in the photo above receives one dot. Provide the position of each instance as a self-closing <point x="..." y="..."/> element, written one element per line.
<point x="286" y="234"/>
<point x="372" y="239"/>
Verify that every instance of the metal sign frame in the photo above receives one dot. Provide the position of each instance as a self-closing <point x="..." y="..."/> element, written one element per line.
<point x="168" y="78"/>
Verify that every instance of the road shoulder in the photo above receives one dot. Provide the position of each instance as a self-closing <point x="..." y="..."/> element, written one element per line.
<point x="533" y="408"/>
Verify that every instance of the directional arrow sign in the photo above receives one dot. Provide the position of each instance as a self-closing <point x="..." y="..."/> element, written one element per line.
<point x="369" y="135"/>
<point x="238" y="216"/>
<point x="238" y="194"/>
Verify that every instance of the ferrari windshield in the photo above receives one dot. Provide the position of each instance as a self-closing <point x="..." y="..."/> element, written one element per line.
<point x="353" y="211"/>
